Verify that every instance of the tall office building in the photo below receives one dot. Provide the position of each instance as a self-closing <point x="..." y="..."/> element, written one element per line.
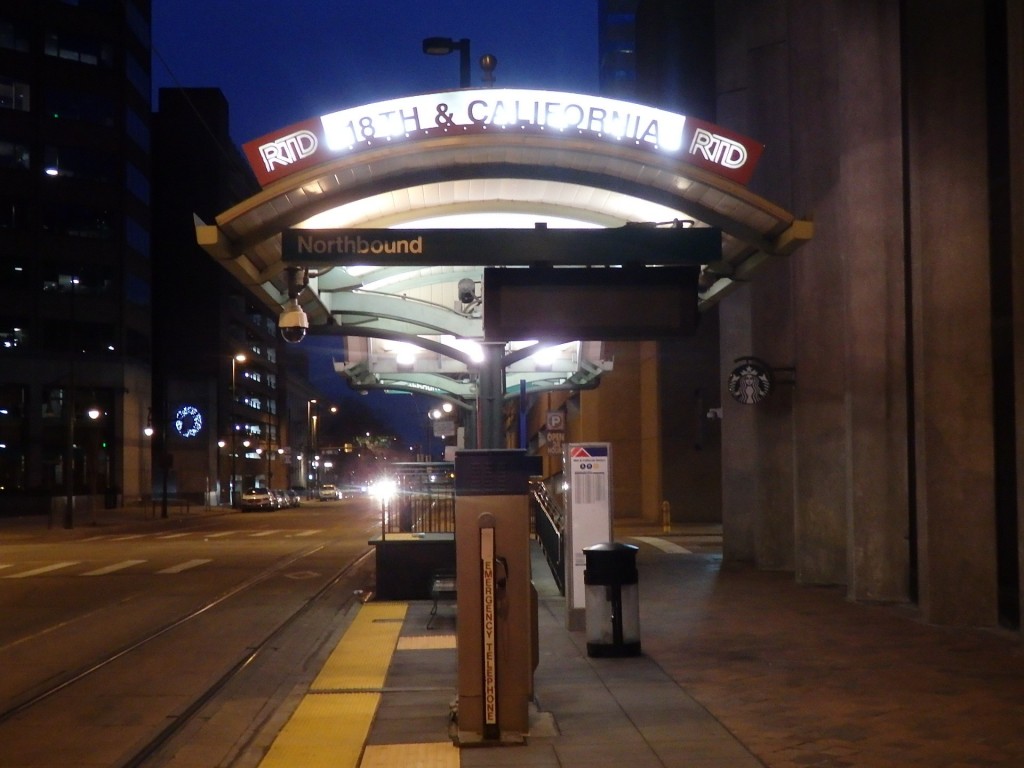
<point x="217" y="417"/>
<point x="75" y="272"/>
<point x="109" y="327"/>
<point x="616" y="29"/>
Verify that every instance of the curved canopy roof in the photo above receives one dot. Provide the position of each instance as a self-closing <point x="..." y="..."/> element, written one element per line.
<point x="483" y="158"/>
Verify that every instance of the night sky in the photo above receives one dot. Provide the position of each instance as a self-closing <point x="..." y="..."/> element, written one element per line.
<point x="282" y="62"/>
<point x="285" y="61"/>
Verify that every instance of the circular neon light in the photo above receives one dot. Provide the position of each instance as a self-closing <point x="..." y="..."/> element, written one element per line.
<point x="188" y="421"/>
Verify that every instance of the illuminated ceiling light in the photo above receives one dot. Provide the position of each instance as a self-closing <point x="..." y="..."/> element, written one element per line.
<point x="545" y="357"/>
<point x="405" y="354"/>
<point x="470" y="348"/>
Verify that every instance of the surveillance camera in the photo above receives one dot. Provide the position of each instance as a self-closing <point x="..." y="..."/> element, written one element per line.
<point x="467" y="291"/>
<point x="292" y="322"/>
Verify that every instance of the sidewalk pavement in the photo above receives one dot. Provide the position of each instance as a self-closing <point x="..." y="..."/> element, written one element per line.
<point x="86" y="521"/>
<point x="740" y="668"/>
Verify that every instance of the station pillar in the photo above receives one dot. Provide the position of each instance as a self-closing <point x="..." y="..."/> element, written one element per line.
<point x="496" y="602"/>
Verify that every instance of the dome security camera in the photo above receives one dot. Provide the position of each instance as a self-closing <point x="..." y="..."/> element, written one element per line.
<point x="293" y="322"/>
<point x="467" y="291"/>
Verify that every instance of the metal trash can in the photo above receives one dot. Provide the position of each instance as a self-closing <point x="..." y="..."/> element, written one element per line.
<point x="612" y="600"/>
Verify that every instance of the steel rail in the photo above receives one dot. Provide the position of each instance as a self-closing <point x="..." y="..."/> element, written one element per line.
<point x="90" y="669"/>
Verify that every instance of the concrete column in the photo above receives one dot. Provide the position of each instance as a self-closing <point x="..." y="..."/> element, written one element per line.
<point x="1015" y="24"/>
<point x="739" y="448"/>
<point x="870" y="239"/>
<point x="820" y="326"/>
<point x="952" y="358"/>
<point x="649" y="427"/>
<point x="757" y="441"/>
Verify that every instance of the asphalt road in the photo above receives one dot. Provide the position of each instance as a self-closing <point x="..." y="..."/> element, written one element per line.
<point x="118" y="639"/>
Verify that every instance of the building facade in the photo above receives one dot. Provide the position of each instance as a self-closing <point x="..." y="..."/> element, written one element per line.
<point x="218" y="356"/>
<point x="75" y="329"/>
<point x="886" y="460"/>
<point x="117" y="378"/>
<point x="891" y="464"/>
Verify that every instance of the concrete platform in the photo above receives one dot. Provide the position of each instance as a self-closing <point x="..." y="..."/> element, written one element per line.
<point x="739" y="668"/>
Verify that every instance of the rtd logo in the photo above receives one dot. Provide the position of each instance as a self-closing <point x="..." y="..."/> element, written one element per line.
<point x="718" y="149"/>
<point x="288" y="149"/>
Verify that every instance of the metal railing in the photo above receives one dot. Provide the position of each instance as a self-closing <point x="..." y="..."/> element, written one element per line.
<point x="549" y="527"/>
<point x="423" y="500"/>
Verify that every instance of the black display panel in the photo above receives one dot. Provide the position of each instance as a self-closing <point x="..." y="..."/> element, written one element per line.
<point x="632" y="303"/>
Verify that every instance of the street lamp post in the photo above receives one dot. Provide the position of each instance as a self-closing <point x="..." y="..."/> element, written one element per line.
<point x="220" y="449"/>
<point x="238" y="358"/>
<point x="69" y="403"/>
<point x="441" y="46"/>
<point x="312" y="416"/>
<point x="434" y="417"/>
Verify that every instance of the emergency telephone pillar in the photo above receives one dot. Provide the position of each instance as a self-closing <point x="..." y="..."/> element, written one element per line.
<point x="495" y="600"/>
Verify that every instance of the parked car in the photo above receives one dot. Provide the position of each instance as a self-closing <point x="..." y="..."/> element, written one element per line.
<point x="257" y="498"/>
<point x="329" y="492"/>
<point x="292" y="497"/>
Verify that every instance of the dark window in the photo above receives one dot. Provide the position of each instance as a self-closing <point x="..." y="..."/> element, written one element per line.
<point x="14" y="94"/>
<point x="79" y="221"/>
<point x="14" y="155"/>
<point x="85" y="50"/>
<point x="13" y="36"/>
<point x="79" y="105"/>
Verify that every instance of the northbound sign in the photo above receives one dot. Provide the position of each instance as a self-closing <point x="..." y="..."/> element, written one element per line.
<point x="632" y="244"/>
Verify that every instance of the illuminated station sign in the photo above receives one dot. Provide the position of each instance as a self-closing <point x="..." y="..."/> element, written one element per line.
<point x="632" y="244"/>
<point x="513" y="111"/>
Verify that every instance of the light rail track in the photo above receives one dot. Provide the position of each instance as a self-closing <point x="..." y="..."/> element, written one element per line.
<point x="182" y="717"/>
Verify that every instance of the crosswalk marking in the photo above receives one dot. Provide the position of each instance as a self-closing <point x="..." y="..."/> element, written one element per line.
<point x="664" y="546"/>
<point x="185" y="566"/>
<point x="196" y="533"/>
<point x="113" y="568"/>
<point x="43" y="569"/>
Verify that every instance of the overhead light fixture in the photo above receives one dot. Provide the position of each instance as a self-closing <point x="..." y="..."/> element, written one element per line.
<point x="442" y="46"/>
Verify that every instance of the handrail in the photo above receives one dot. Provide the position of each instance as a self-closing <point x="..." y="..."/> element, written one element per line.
<point x="549" y="525"/>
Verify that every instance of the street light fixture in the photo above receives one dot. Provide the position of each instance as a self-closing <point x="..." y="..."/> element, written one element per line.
<point x="442" y="46"/>
<point x="312" y="416"/>
<point x="238" y="358"/>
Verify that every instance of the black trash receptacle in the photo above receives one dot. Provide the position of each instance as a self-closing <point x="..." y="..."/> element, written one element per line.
<point x="611" y="583"/>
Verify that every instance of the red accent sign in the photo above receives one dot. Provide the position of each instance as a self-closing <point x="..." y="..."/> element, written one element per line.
<point x="515" y="111"/>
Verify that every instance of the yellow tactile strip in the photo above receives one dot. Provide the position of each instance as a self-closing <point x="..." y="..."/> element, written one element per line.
<point x="330" y="725"/>
<point x="433" y="755"/>
<point x="426" y="642"/>
<point x="325" y="730"/>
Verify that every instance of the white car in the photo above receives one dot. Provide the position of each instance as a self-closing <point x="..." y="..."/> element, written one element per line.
<point x="257" y="498"/>
<point x="329" y="492"/>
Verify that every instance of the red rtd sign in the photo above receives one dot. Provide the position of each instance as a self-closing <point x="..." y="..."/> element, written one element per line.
<point x="514" y="111"/>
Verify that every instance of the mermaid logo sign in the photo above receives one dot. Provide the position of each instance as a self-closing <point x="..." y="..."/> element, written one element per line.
<point x="510" y="111"/>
